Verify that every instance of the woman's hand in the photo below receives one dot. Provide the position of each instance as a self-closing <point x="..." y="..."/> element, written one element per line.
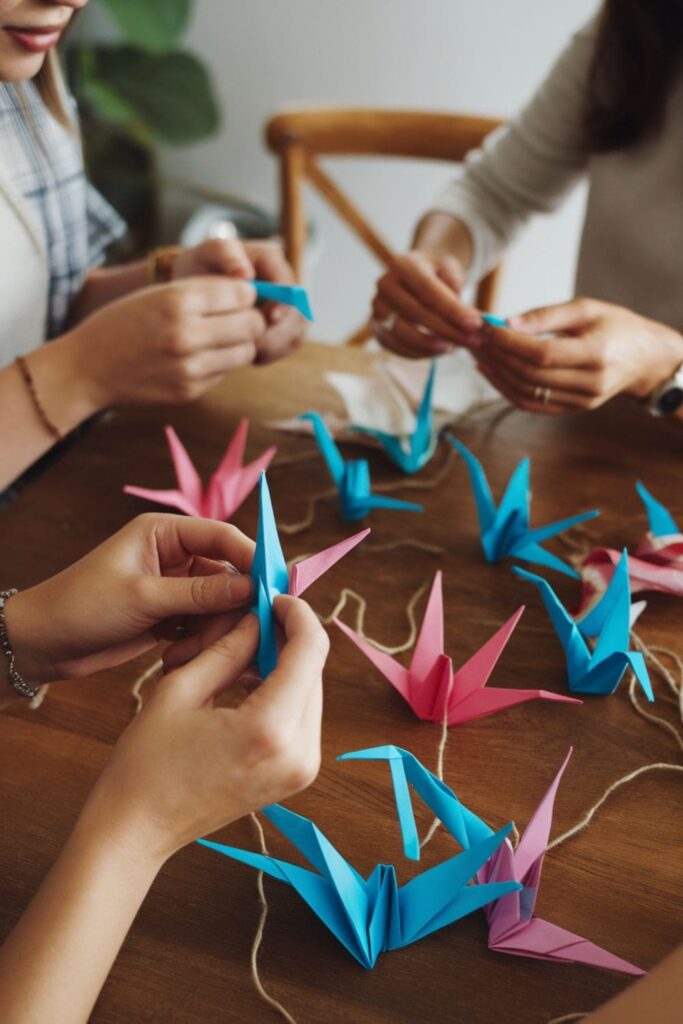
<point x="185" y="767"/>
<point x="601" y="351"/>
<point x="135" y="588"/>
<point x="261" y="260"/>
<point x="167" y="343"/>
<point x="417" y="311"/>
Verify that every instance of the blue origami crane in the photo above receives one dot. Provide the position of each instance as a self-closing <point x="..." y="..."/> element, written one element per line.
<point x="421" y="444"/>
<point x="599" y="670"/>
<point x="352" y="479"/>
<point x="287" y="294"/>
<point x="660" y="521"/>
<point x="374" y="915"/>
<point x="505" y="530"/>
<point x="270" y="576"/>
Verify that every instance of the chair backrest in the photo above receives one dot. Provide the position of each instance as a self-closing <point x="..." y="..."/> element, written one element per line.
<point x="299" y="137"/>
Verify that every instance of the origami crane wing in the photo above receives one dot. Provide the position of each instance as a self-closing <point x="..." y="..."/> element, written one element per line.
<point x="440" y="896"/>
<point x="660" y="520"/>
<point x="287" y="294"/>
<point x="330" y="452"/>
<point x="405" y="768"/>
<point x="232" y="481"/>
<point x="430" y="638"/>
<point x="532" y="845"/>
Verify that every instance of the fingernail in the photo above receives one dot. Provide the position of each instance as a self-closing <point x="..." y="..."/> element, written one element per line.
<point x="516" y="321"/>
<point x="240" y="587"/>
<point x="472" y="323"/>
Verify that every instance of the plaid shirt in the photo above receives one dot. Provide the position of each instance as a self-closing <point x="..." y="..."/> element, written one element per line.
<point x="46" y="166"/>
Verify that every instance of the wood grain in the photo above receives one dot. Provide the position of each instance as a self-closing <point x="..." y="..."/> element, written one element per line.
<point x="187" y="956"/>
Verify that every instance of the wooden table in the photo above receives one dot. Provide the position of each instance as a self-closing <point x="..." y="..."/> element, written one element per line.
<point x="187" y="957"/>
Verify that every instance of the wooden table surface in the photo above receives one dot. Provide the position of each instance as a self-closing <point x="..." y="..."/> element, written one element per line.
<point x="187" y="957"/>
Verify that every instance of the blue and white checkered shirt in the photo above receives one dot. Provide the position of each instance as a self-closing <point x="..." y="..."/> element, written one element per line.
<point x="46" y="166"/>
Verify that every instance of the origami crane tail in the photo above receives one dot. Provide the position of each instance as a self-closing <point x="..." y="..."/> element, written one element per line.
<point x="391" y="669"/>
<point x="306" y="572"/>
<point x="545" y="941"/>
<point x="374" y="501"/>
<point x="660" y="520"/>
<point x="534" y="553"/>
<point x="173" y="498"/>
<point x="187" y="476"/>
<point x="330" y="452"/>
<point x="486" y="509"/>
<point x="637" y="663"/>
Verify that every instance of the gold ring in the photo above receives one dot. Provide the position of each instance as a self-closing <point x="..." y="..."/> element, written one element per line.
<point x="541" y="394"/>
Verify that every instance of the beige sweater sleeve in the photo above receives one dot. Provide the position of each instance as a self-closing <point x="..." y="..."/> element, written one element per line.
<point x="528" y="165"/>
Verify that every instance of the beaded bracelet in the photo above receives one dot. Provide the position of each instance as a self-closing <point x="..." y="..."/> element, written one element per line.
<point x="52" y="430"/>
<point x="23" y="688"/>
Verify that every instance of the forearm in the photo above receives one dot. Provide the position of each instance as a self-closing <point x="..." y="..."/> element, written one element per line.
<point x="105" y="284"/>
<point x="658" y="997"/>
<point x="56" y="960"/>
<point x="439" y="234"/>
<point x="63" y="394"/>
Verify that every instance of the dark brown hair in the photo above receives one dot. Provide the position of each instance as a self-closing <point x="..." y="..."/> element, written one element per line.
<point x="638" y="50"/>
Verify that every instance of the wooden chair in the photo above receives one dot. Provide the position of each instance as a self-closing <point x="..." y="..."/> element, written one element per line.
<point x="300" y="137"/>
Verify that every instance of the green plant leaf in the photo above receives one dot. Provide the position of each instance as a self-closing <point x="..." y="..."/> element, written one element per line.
<point x="152" y="25"/>
<point x="170" y="94"/>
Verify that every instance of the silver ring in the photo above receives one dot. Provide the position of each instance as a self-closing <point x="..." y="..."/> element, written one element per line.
<point x="541" y="394"/>
<point x="388" y="323"/>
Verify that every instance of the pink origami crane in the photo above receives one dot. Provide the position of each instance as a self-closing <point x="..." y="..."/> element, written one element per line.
<point x="228" y="487"/>
<point x="513" y="928"/>
<point x="429" y="684"/>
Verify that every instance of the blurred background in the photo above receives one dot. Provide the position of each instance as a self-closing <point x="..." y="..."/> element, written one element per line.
<point x="175" y="94"/>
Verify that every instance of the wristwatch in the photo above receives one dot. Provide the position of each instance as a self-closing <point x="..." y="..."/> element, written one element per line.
<point x="668" y="397"/>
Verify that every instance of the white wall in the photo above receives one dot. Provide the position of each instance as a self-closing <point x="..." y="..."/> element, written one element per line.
<point x="480" y="56"/>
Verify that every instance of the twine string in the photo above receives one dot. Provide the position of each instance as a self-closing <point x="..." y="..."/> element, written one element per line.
<point x="151" y="672"/>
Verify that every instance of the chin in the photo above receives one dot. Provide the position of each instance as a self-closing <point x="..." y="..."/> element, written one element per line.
<point x="20" y="69"/>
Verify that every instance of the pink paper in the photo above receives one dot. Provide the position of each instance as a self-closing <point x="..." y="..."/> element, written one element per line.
<point x="228" y="486"/>
<point x="305" y="573"/>
<point x="429" y="684"/>
<point x="656" y="564"/>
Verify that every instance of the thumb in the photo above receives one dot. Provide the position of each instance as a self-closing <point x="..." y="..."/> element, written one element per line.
<point x="217" y="666"/>
<point x="165" y="596"/>
<point x="572" y="317"/>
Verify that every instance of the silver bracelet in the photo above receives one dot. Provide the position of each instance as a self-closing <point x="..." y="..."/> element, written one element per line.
<point x="23" y="688"/>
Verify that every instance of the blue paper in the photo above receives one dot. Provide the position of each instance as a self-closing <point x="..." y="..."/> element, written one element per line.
<point x="286" y="294"/>
<point x="505" y="530"/>
<point x="599" y="670"/>
<point x="494" y="321"/>
<point x="660" y="521"/>
<point x="375" y="915"/>
<point x="421" y="443"/>
<point x="271" y="578"/>
<point x="463" y="824"/>
<point x="352" y="478"/>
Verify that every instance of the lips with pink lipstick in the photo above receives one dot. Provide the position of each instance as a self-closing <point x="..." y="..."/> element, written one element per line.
<point x="35" y="39"/>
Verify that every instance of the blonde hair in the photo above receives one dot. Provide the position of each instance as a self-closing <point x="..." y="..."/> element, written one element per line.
<point x="50" y="85"/>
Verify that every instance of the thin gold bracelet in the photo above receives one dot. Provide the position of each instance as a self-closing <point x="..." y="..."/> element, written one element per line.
<point x="51" y="428"/>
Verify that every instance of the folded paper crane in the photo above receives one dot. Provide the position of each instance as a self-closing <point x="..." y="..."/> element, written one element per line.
<point x="374" y="915"/>
<point x="505" y="530"/>
<point x="271" y="577"/>
<point x="656" y="562"/>
<point x="228" y="487"/>
<point x="414" y="452"/>
<point x="513" y="927"/>
<point x="599" y="670"/>
<point x="287" y="294"/>
<point x="352" y="479"/>
<point x="430" y="685"/>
